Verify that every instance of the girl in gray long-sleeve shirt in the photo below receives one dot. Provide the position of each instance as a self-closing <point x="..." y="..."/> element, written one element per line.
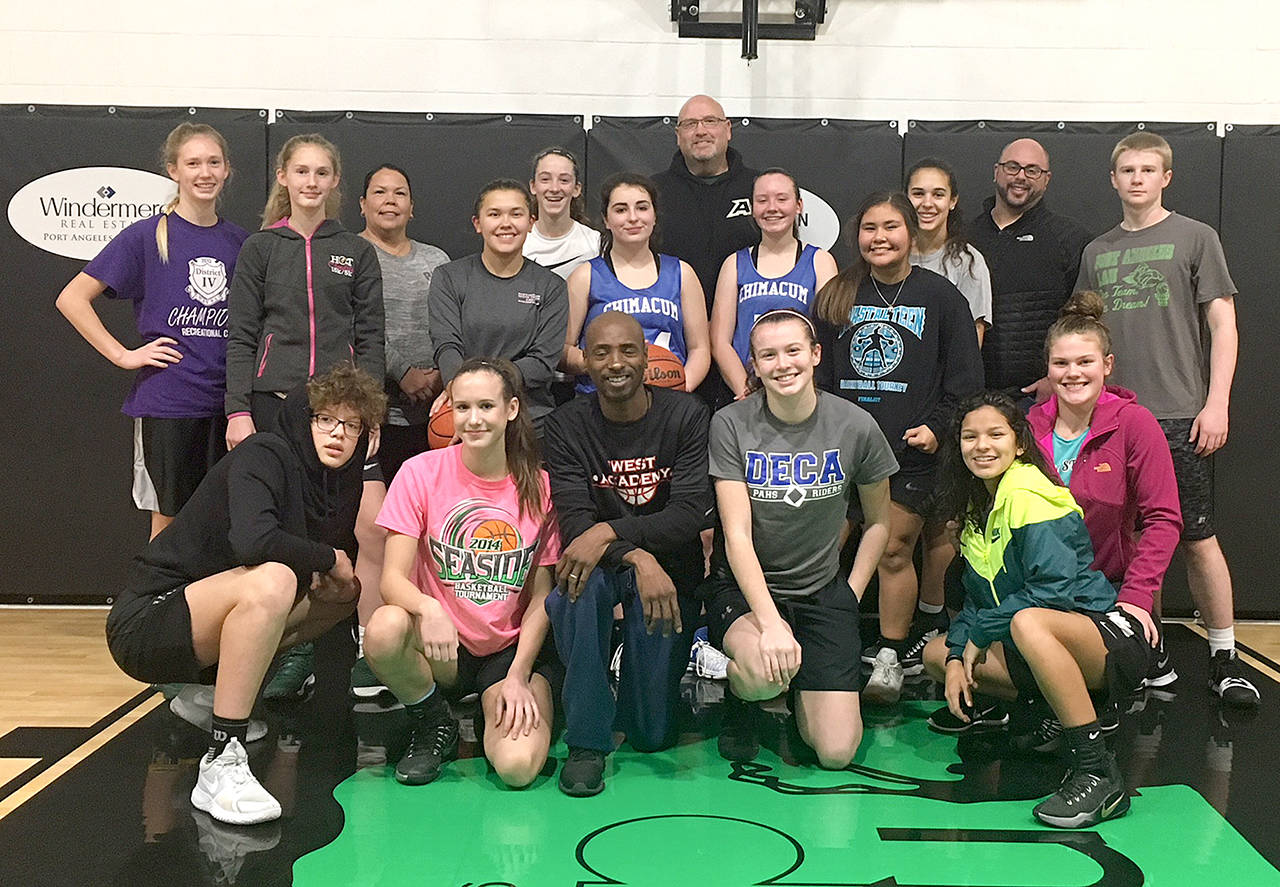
<point x="499" y="304"/>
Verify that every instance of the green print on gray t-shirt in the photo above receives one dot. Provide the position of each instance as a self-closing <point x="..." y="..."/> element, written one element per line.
<point x="1153" y="283"/>
<point x="1137" y="288"/>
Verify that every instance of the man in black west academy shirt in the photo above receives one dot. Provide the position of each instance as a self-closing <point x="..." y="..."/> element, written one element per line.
<point x="629" y="482"/>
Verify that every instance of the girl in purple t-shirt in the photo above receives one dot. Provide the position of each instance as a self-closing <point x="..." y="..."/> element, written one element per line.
<point x="175" y="268"/>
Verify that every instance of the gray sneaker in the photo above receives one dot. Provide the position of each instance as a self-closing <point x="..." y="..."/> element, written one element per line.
<point x="194" y="704"/>
<point x="885" y="684"/>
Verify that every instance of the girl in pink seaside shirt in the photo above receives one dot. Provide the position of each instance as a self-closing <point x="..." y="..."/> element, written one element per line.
<point x="471" y="546"/>
<point x="1110" y="452"/>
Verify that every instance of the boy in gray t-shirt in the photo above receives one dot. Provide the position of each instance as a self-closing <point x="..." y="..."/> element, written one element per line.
<point x="785" y="462"/>
<point x="1164" y="283"/>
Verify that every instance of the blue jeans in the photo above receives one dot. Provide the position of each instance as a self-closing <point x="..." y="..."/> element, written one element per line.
<point x="652" y="665"/>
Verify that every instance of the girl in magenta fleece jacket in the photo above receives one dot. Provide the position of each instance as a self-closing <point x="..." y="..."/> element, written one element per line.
<point x="1110" y="452"/>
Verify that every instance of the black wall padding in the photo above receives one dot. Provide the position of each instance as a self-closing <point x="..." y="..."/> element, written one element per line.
<point x="449" y="158"/>
<point x="1079" y="159"/>
<point x="1246" y="473"/>
<point x="839" y="160"/>
<point x="72" y="527"/>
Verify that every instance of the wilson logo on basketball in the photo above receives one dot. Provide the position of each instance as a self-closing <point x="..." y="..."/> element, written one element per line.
<point x="665" y="369"/>
<point x="635" y="480"/>
<point x="482" y="554"/>
<point x="664" y="378"/>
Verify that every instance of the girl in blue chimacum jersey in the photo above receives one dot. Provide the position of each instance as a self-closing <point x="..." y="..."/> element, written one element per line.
<point x="631" y="276"/>
<point x="781" y="272"/>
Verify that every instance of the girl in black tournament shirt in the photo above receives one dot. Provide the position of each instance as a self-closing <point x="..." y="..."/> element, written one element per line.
<point x="899" y="342"/>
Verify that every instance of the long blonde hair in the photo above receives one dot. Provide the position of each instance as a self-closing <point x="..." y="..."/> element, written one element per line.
<point x="173" y="143"/>
<point x="278" y="201"/>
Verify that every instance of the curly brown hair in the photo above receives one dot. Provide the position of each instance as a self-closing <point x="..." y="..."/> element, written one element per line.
<point x="348" y="385"/>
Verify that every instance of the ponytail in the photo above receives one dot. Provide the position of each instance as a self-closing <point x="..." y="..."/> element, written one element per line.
<point x="173" y="142"/>
<point x="162" y="230"/>
<point x="1081" y="316"/>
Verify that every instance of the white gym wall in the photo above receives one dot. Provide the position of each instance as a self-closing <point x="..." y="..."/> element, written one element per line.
<point x="873" y="59"/>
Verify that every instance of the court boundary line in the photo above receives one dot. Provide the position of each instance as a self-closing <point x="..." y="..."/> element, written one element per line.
<point x="31" y="781"/>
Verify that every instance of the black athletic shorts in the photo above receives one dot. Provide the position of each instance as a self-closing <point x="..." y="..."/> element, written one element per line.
<point x="266" y="406"/>
<point x="1195" y="480"/>
<point x="911" y="486"/>
<point x="150" y="638"/>
<point x="825" y="624"/>
<point x="400" y="443"/>
<point x="478" y="673"/>
<point x="1128" y="656"/>
<point x="171" y="457"/>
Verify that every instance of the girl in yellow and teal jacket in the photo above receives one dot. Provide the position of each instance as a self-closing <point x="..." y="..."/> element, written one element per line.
<point x="1031" y="595"/>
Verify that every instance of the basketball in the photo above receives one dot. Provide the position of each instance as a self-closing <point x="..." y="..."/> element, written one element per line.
<point x="665" y="369"/>
<point x="440" y="426"/>
<point x="498" y="529"/>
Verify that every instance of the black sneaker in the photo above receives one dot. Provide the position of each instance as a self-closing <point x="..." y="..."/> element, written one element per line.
<point x="1109" y="717"/>
<point x="1085" y="799"/>
<point x="982" y="717"/>
<point x="921" y="633"/>
<point x="430" y="745"/>
<point x="738" y="741"/>
<point x="1045" y="737"/>
<point x="913" y="656"/>
<point x="1161" y="672"/>
<point x="583" y="773"/>
<point x="1227" y="680"/>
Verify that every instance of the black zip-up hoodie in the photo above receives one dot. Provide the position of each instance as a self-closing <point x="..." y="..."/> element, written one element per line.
<point x="299" y="306"/>
<point x="704" y="223"/>
<point x="269" y="499"/>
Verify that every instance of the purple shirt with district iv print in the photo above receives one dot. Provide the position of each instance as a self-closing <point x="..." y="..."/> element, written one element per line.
<point x="184" y="299"/>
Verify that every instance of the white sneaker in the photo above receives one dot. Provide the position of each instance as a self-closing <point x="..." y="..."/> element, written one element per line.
<point x="708" y="662"/>
<point x="885" y="684"/>
<point x="194" y="704"/>
<point x="228" y="791"/>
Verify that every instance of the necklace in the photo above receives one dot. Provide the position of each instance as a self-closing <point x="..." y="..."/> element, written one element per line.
<point x="887" y="303"/>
